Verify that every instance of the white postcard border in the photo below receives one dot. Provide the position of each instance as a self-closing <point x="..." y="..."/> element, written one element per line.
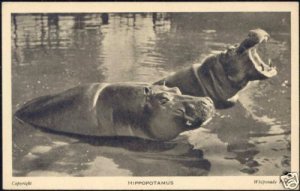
<point x="210" y="182"/>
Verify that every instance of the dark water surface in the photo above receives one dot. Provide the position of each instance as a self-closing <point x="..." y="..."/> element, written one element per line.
<point x="52" y="53"/>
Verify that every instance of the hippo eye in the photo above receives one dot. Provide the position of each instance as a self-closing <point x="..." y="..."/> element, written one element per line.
<point x="164" y="98"/>
<point x="147" y="90"/>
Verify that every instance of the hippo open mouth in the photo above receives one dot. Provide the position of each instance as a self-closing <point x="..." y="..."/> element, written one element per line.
<point x="195" y="122"/>
<point x="189" y="120"/>
<point x="256" y="43"/>
<point x="195" y="115"/>
<point x="264" y="67"/>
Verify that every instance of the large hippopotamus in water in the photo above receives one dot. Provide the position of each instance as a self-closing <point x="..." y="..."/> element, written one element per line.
<point x="222" y="76"/>
<point x="120" y="109"/>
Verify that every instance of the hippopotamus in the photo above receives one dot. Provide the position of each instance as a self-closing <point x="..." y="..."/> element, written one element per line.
<point x="141" y="110"/>
<point x="223" y="75"/>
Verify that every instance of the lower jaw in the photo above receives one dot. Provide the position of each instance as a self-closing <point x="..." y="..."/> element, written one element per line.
<point x="207" y="121"/>
<point x="193" y="126"/>
<point x="268" y="73"/>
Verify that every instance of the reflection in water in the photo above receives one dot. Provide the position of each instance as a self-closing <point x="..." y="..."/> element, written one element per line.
<point x="53" y="52"/>
<point x="88" y="156"/>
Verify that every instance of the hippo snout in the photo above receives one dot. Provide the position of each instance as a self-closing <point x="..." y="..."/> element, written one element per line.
<point x="199" y="111"/>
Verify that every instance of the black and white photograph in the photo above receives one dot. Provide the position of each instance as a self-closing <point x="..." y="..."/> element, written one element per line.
<point x="155" y="93"/>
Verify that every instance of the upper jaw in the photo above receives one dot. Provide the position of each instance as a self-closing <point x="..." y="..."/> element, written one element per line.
<point x="258" y="36"/>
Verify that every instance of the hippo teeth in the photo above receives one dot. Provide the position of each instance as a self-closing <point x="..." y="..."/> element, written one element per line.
<point x="265" y="39"/>
<point x="262" y="67"/>
<point x="188" y="123"/>
<point x="270" y="62"/>
<point x="265" y="68"/>
<point x="208" y="120"/>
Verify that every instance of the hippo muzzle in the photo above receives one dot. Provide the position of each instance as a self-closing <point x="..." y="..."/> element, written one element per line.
<point x="169" y="110"/>
<point x="255" y="43"/>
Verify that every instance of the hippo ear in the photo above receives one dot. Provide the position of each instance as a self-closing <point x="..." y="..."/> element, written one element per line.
<point x="147" y="90"/>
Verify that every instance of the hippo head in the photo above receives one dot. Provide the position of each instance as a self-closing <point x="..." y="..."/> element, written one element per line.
<point x="161" y="112"/>
<point x="172" y="113"/>
<point x="244" y="62"/>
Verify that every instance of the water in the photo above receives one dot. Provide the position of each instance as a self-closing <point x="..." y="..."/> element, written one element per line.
<point x="52" y="53"/>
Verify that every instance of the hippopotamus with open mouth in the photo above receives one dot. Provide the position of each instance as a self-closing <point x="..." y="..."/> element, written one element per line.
<point x="222" y="76"/>
<point x="119" y="109"/>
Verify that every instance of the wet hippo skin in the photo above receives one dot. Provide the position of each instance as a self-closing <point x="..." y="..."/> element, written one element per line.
<point x="120" y="109"/>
